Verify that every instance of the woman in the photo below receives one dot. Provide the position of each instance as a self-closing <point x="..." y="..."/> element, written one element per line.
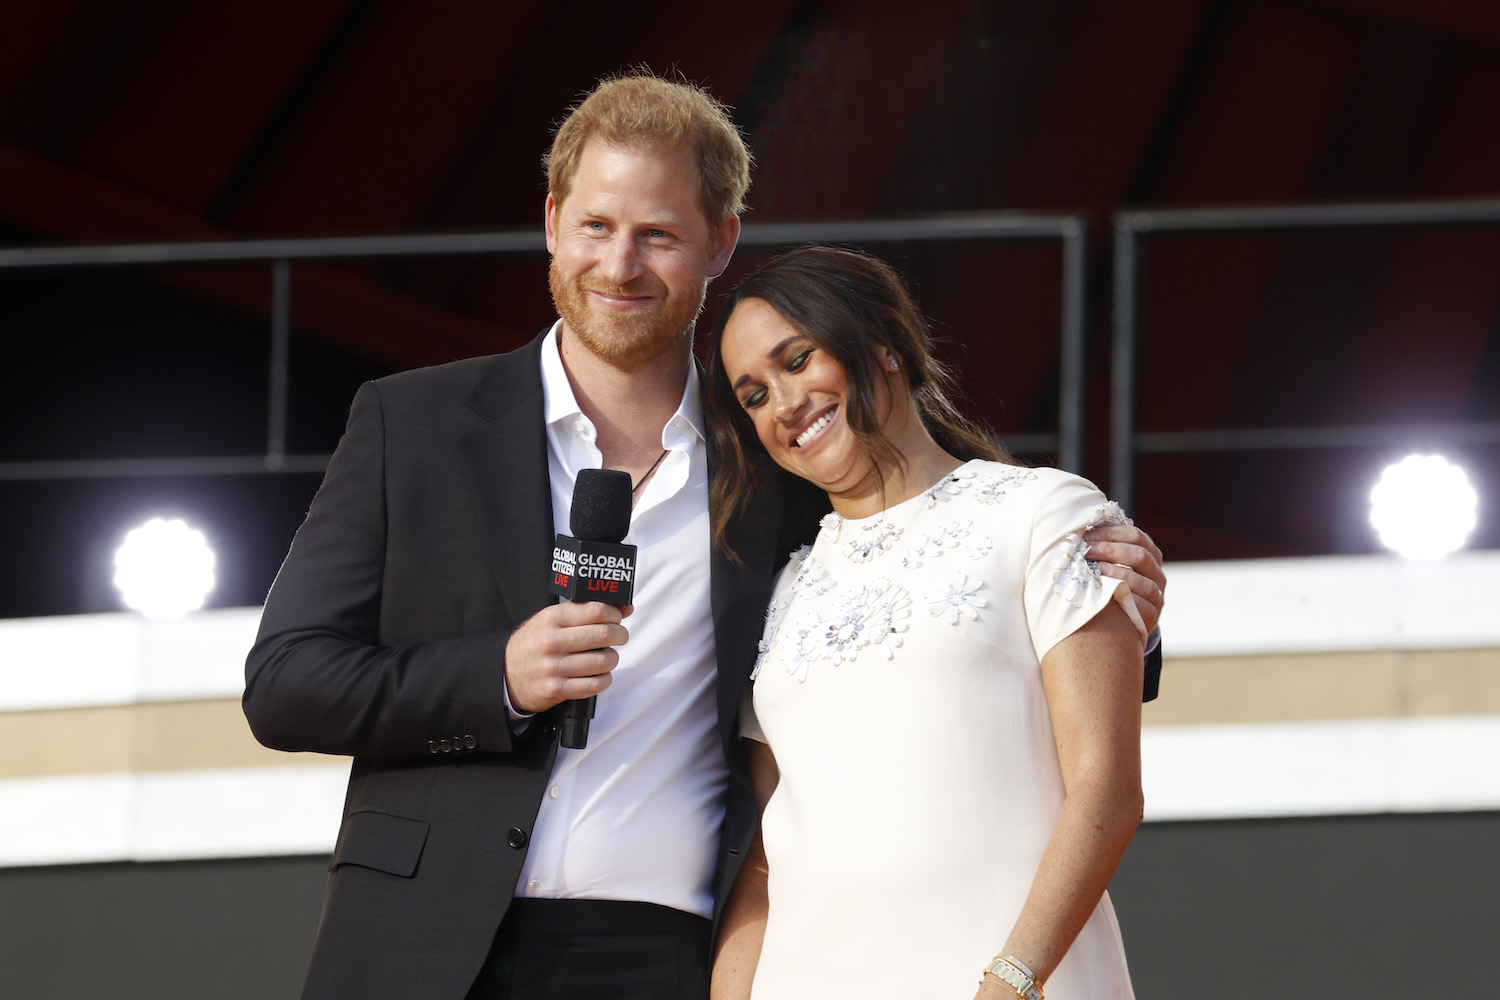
<point x="947" y="702"/>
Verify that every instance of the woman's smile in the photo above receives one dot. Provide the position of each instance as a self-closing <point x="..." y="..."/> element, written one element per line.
<point x="815" y="428"/>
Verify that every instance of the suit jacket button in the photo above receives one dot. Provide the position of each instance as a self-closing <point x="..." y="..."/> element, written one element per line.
<point x="549" y="730"/>
<point x="445" y="746"/>
<point x="516" y="837"/>
<point x="470" y="743"/>
<point x="432" y="746"/>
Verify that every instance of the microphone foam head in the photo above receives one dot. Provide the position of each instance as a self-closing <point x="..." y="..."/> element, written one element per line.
<point x="601" y="505"/>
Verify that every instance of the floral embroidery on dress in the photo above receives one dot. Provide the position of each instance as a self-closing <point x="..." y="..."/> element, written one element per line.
<point x="774" y="611"/>
<point x="832" y="519"/>
<point x="871" y="615"/>
<point x="995" y="488"/>
<point x="761" y="649"/>
<point x="1108" y="512"/>
<point x="813" y="579"/>
<point x="949" y="486"/>
<point x="804" y="566"/>
<point x="932" y="544"/>
<point x="799" y="659"/>
<point x="1076" y="574"/>
<point x="957" y="598"/>
<point x="982" y="547"/>
<point x="871" y="540"/>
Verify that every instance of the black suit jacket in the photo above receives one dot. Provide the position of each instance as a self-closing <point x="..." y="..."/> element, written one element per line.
<point x="383" y="638"/>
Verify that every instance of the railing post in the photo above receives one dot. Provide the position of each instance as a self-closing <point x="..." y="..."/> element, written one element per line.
<point x="1073" y="362"/>
<point x="1122" y="361"/>
<point x="281" y="341"/>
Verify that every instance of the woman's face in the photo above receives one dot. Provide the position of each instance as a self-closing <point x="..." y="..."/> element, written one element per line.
<point x="795" y="394"/>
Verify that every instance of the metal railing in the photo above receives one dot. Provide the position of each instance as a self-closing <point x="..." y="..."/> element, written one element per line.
<point x="1131" y="228"/>
<point x="1134" y="226"/>
<point x="1070" y="231"/>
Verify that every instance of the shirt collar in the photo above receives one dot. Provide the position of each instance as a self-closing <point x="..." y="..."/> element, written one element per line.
<point x="559" y="403"/>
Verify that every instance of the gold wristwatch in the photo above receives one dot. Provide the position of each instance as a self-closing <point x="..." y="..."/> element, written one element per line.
<point x="1015" y="974"/>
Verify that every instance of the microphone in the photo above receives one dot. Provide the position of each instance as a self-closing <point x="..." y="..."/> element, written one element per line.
<point x="592" y="565"/>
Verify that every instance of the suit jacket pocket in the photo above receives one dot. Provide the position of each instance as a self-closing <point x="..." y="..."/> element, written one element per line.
<point x="386" y="843"/>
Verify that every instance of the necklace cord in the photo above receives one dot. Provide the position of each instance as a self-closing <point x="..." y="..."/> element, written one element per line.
<point x="650" y="470"/>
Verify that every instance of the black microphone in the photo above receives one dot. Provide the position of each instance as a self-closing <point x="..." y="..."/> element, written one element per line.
<point x="592" y="565"/>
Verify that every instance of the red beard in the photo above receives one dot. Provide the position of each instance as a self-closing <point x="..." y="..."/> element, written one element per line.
<point x="629" y="341"/>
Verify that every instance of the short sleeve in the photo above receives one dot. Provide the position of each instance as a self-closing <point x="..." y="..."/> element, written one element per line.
<point x="1064" y="588"/>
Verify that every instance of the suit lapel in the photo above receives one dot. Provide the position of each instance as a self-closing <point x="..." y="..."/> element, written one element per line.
<point x="506" y="457"/>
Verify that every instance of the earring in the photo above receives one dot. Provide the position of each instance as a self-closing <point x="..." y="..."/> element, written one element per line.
<point x="895" y="365"/>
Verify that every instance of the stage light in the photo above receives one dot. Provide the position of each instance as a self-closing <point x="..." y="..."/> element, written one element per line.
<point x="164" y="569"/>
<point x="1424" y="507"/>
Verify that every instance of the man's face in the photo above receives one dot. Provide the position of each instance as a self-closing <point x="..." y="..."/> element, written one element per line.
<point x="632" y="252"/>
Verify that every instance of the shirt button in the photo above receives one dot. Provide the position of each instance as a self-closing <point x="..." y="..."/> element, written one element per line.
<point x="534" y="884"/>
<point x="555" y="791"/>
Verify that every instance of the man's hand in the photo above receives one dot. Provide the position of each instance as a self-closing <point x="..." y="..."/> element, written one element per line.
<point x="563" y="653"/>
<point x="1127" y="553"/>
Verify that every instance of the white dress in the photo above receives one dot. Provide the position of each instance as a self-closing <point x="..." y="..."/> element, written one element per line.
<point x="899" y="687"/>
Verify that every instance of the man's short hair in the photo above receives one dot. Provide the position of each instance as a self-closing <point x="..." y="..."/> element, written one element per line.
<point x="641" y="110"/>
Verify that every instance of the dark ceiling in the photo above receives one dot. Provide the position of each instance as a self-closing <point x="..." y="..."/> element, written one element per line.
<point x="178" y="120"/>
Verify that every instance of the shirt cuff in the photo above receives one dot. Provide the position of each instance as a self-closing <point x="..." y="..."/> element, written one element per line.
<point x="519" y="721"/>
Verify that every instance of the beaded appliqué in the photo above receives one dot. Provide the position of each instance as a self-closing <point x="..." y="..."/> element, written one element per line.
<point x="1108" y="512"/>
<point x="933" y="544"/>
<point x="949" y="486"/>
<point x="812" y="580"/>
<point x="809" y="577"/>
<point x="959" y="597"/>
<point x="995" y="488"/>
<point x="1077" y="574"/>
<point x="872" y="615"/>
<point x="871" y="540"/>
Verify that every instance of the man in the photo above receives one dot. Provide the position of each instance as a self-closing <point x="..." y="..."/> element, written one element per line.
<point x="411" y="626"/>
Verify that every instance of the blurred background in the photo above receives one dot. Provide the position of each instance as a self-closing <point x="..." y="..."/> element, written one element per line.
<point x="1228" y="258"/>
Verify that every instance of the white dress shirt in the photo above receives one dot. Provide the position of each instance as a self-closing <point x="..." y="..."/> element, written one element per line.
<point x="636" y="814"/>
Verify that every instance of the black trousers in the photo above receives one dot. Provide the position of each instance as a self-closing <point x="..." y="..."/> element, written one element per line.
<point x="589" y="949"/>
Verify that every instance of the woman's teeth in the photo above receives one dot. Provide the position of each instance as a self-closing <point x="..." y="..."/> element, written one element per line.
<point x="816" y="426"/>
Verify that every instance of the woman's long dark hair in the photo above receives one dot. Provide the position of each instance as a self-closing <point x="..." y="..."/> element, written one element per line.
<point x="849" y="304"/>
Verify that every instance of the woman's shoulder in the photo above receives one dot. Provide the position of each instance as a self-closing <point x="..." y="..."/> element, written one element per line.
<point x="1043" y="491"/>
<point x="989" y="481"/>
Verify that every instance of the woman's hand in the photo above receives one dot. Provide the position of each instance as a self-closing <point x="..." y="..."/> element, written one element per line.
<point x="1127" y="553"/>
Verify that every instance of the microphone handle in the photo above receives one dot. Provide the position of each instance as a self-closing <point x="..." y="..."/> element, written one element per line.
<point x="573" y="727"/>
